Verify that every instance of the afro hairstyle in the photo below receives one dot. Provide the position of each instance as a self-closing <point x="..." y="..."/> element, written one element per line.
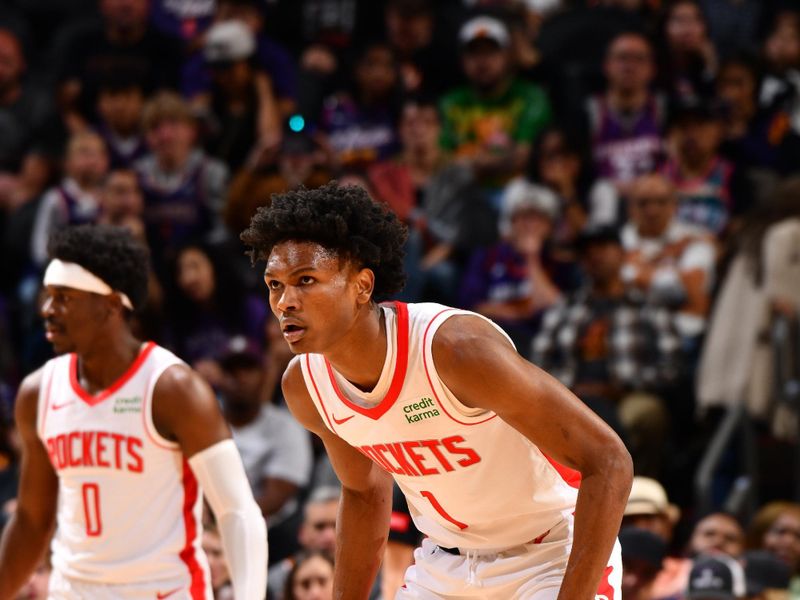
<point x="342" y="219"/>
<point x="110" y="253"/>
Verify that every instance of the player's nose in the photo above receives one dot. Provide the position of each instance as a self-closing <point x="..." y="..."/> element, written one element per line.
<point x="289" y="299"/>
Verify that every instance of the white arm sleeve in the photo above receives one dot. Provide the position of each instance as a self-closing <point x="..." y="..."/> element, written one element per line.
<point x="241" y="526"/>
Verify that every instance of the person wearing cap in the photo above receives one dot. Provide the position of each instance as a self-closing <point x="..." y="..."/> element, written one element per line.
<point x="491" y="122"/>
<point x="508" y="282"/>
<point x="605" y="342"/>
<point x="768" y="577"/>
<point x="712" y="194"/>
<point x="717" y="577"/>
<point x="648" y="508"/>
<point x="642" y="555"/>
<point x="121" y="441"/>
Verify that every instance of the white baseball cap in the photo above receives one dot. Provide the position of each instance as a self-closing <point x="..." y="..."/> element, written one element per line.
<point x="229" y="41"/>
<point x="648" y="497"/>
<point x="484" y="28"/>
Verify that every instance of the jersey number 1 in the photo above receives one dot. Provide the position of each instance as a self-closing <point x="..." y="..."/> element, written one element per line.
<point x="91" y="509"/>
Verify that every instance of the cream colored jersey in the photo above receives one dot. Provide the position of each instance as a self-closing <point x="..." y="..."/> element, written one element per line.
<point x="472" y="481"/>
<point x="129" y="506"/>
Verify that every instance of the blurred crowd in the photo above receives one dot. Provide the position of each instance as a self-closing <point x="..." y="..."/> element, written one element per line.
<point x="615" y="182"/>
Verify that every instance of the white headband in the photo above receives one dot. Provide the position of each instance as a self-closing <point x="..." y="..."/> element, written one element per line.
<point x="72" y="275"/>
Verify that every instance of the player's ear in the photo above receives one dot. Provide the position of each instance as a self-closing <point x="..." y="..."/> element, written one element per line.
<point x="365" y="285"/>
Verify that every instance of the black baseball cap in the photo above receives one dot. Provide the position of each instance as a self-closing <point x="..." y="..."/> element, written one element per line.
<point x="597" y="234"/>
<point x="643" y="545"/>
<point x="717" y="577"/>
<point x="765" y="571"/>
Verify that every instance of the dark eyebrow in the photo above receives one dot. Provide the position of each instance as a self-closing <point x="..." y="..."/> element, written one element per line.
<point x="295" y="272"/>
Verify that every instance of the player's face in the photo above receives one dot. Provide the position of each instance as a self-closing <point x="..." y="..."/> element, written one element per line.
<point x="72" y="317"/>
<point x="313" y="293"/>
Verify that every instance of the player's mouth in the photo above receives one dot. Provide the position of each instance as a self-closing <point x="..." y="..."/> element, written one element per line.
<point x="51" y="331"/>
<point x="292" y="331"/>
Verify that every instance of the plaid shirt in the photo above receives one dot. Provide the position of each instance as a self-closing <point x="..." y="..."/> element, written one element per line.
<point x="643" y="346"/>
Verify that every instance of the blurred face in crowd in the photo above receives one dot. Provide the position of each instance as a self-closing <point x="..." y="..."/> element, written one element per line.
<point x="236" y="11"/>
<point x="171" y="140"/>
<point x="37" y="586"/>
<point x="12" y="62"/>
<point x="529" y="224"/>
<point x="121" y="195"/>
<point x="212" y="546"/>
<point x="629" y="63"/>
<point x="685" y="28"/>
<point x="556" y="162"/>
<point x="408" y="32"/>
<point x="87" y="160"/>
<point x="653" y="205"/>
<point x="637" y="579"/>
<point x="234" y="78"/>
<point x="313" y="580"/>
<point x="420" y="127"/>
<point x="125" y="15"/>
<point x="318" y="531"/>
<point x="121" y="109"/>
<point x="657" y="523"/>
<point x="376" y="73"/>
<point x="783" y="539"/>
<point x="602" y="261"/>
<point x="243" y="385"/>
<point x="697" y="139"/>
<point x="736" y="85"/>
<point x="782" y="47"/>
<point x="717" y="533"/>
<point x="486" y="64"/>
<point x="196" y="275"/>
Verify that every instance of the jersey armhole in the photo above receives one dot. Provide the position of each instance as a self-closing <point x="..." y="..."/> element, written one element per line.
<point x="43" y="401"/>
<point x="430" y="367"/>
<point x="147" y="410"/>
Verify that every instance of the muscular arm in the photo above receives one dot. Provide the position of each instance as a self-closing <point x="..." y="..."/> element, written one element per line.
<point x="482" y="369"/>
<point x="25" y="538"/>
<point x="186" y="411"/>
<point x="363" y="523"/>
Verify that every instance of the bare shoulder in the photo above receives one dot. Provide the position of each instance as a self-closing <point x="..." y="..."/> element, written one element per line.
<point x="465" y="339"/>
<point x="27" y="402"/>
<point x="299" y="401"/>
<point x="179" y="383"/>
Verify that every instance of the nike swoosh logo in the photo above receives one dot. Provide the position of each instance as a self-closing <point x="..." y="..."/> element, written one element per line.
<point x="162" y="595"/>
<point x="60" y="406"/>
<point x="340" y="421"/>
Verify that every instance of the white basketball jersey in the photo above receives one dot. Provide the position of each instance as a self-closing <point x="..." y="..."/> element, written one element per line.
<point x="471" y="480"/>
<point x="129" y="506"/>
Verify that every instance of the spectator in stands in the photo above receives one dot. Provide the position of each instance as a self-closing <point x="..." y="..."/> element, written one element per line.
<point x="688" y="62"/>
<point x="438" y="200"/>
<point x="711" y="192"/>
<point x="317" y="533"/>
<point x="716" y="577"/>
<point x="120" y="100"/>
<point x="626" y="122"/>
<point x="275" y="449"/>
<point x="183" y="187"/>
<point x="615" y="351"/>
<point x="767" y="576"/>
<point x="642" y="555"/>
<point x="359" y="123"/>
<point x="184" y="20"/>
<point x="428" y="64"/>
<point x="208" y="307"/>
<point x="509" y="282"/>
<point x="24" y="109"/>
<point x="124" y="39"/>
<point x="244" y="112"/>
<point x="311" y="577"/>
<point x="76" y="199"/>
<point x="648" y="508"/>
<point x="672" y="262"/>
<point x="121" y="201"/>
<point x="776" y="528"/>
<point x="781" y="84"/>
<point x="218" y="568"/>
<point x="490" y="123"/>
<point x="301" y="162"/>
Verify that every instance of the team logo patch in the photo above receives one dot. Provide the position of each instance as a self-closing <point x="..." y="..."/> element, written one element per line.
<point x="419" y="411"/>
<point x="128" y="405"/>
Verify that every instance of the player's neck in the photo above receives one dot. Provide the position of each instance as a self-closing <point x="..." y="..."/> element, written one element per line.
<point x="359" y="356"/>
<point x="107" y="360"/>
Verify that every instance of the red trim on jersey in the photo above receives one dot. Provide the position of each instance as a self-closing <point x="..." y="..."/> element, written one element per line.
<point x="606" y="590"/>
<point x="438" y="508"/>
<point x="570" y="476"/>
<point x="398" y="378"/>
<point x="197" y="589"/>
<point x="316" y="390"/>
<point x="428" y="375"/>
<point x="93" y="400"/>
<point x="147" y="410"/>
<point x="47" y="401"/>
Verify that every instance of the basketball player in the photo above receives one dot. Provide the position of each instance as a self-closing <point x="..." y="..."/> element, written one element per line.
<point x="119" y="437"/>
<point x="489" y="450"/>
